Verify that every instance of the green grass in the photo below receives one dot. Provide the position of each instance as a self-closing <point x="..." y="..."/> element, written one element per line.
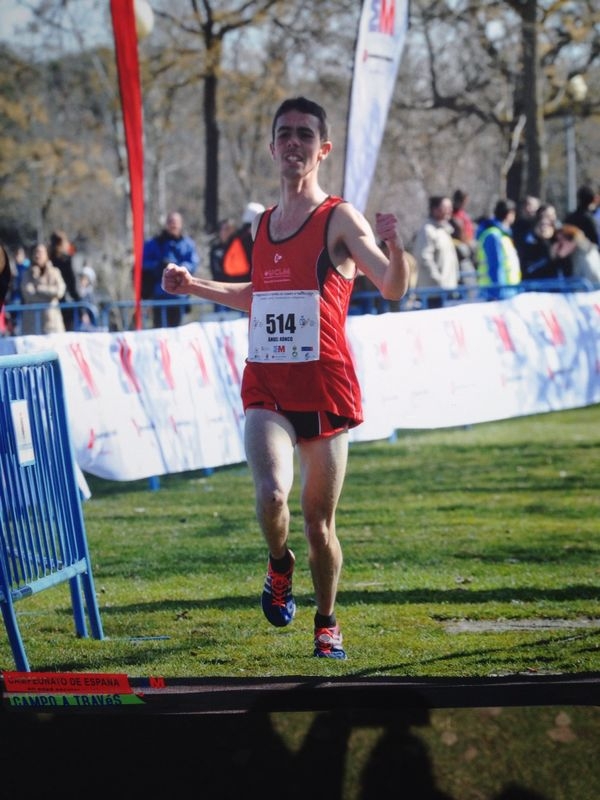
<point x="494" y="523"/>
<point x="469" y="754"/>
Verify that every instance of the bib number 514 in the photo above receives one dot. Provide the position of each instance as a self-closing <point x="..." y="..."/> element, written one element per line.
<point x="280" y="323"/>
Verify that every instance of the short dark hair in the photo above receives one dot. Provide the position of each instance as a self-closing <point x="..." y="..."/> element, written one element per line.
<point x="503" y="208"/>
<point x="458" y="198"/>
<point x="304" y="106"/>
<point x="585" y="196"/>
<point x="436" y="200"/>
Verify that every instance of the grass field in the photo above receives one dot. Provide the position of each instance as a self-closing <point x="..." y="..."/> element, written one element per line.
<point x="468" y="552"/>
<point x="471" y="551"/>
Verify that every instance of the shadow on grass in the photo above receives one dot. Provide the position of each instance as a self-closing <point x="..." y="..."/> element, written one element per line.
<point x="409" y="597"/>
<point x="222" y="757"/>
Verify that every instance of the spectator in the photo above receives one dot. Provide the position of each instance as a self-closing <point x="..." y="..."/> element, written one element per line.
<point x="86" y="281"/>
<point x="60" y="253"/>
<point x="497" y="258"/>
<point x="21" y="263"/>
<point x="437" y="261"/>
<point x="538" y="258"/>
<point x="524" y="219"/>
<point x="597" y="215"/>
<point x="171" y="245"/>
<point x="573" y="244"/>
<point x="582" y="216"/>
<point x="237" y="256"/>
<point x="217" y="247"/>
<point x="463" y="234"/>
<point x="5" y="275"/>
<point x="461" y="218"/>
<point x="42" y="283"/>
<point x="216" y="253"/>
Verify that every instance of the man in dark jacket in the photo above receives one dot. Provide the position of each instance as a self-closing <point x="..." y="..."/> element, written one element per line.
<point x="61" y="251"/>
<point x="583" y="216"/>
<point x="171" y="246"/>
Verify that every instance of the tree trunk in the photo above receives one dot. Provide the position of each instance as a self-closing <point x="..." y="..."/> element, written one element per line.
<point x="211" y="189"/>
<point x="525" y="175"/>
<point x="534" y="128"/>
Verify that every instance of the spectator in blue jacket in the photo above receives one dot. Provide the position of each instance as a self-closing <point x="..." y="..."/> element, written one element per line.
<point x="170" y="246"/>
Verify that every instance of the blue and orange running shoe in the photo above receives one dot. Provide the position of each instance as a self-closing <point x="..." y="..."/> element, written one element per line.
<point x="328" y="643"/>
<point x="278" y="603"/>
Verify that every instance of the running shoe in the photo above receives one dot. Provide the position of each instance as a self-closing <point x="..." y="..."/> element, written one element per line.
<point x="278" y="603"/>
<point x="328" y="643"/>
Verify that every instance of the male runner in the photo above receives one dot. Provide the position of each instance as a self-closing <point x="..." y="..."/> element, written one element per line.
<point x="299" y="389"/>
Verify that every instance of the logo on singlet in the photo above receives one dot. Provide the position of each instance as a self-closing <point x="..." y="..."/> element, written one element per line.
<point x="277" y="275"/>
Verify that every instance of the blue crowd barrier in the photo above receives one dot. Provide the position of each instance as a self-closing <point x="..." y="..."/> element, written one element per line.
<point x="371" y="302"/>
<point x="112" y="315"/>
<point x="84" y="315"/>
<point x="119" y="314"/>
<point x="42" y="539"/>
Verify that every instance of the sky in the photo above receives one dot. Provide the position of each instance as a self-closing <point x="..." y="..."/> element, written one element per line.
<point x="11" y="15"/>
<point x="15" y="15"/>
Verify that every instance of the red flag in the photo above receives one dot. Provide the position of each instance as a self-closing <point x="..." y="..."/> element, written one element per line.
<point x="126" y="50"/>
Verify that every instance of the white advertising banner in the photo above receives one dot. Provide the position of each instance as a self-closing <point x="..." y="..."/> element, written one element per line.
<point x="381" y="33"/>
<point x="477" y="362"/>
<point x="149" y="403"/>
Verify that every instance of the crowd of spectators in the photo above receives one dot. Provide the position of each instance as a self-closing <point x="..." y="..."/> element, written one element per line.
<point x="524" y="241"/>
<point x="496" y="252"/>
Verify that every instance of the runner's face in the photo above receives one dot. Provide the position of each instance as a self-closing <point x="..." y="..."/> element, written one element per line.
<point x="297" y="146"/>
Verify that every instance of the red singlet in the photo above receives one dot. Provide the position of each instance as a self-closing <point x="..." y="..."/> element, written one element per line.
<point x="301" y="262"/>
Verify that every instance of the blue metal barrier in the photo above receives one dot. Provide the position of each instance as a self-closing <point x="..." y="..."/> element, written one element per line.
<point x="371" y="302"/>
<point x="119" y="314"/>
<point x="84" y="315"/>
<point x="114" y="315"/>
<point x="42" y="539"/>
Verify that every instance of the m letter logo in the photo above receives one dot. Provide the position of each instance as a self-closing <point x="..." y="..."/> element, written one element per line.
<point x="382" y="16"/>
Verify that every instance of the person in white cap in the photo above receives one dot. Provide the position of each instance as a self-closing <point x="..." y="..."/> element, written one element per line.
<point x="251" y="210"/>
<point x="86" y="284"/>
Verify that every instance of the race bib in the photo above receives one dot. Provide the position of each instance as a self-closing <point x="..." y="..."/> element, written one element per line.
<point x="284" y="327"/>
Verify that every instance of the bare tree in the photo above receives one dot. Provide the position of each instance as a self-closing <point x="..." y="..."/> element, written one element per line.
<point x="195" y="37"/>
<point x="252" y="47"/>
<point x="464" y="110"/>
<point x="559" y="40"/>
<point x="508" y="67"/>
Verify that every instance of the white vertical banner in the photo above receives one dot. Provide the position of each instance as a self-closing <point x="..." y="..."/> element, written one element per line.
<point x="381" y="34"/>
